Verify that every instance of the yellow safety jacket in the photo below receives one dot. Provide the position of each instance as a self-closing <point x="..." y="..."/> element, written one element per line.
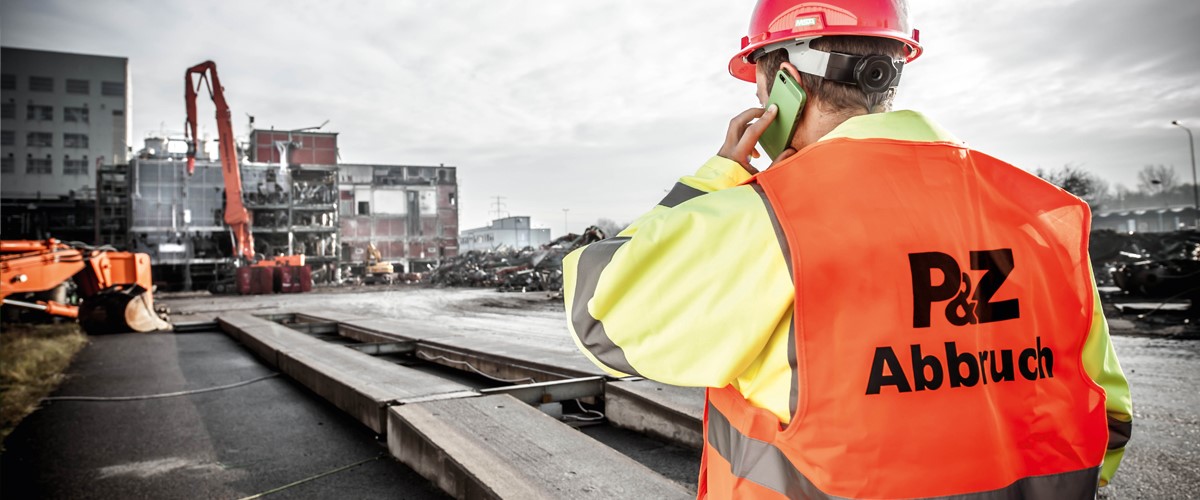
<point x="697" y="292"/>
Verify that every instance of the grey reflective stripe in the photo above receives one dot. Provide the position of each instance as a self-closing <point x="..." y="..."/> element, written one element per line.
<point x="757" y="461"/>
<point x="1118" y="433"/>
<point x="589" y="329"/>
<point x="779" y="235"/>
<point x="794" y="392"/>
<point x="765" y="464"/>
<point x="679" y="194"/>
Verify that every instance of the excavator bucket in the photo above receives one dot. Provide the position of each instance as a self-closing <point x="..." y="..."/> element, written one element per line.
<point x="130" y="310"/>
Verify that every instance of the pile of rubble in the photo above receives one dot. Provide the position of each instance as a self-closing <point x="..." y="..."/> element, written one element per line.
<point x="512" y="270"/>
<point x="1149" y="264"/>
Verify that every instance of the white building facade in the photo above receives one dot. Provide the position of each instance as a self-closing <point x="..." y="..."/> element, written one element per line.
<point x="511" y="232"/>
<point x="62" y="115"/>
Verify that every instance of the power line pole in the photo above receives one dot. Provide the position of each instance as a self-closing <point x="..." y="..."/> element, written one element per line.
<point x="565" y="221"/>
<point x="499" y="204"/>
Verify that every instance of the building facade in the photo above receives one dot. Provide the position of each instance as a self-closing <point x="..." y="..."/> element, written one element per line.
<point x="410" y="213"/>
<point x="62" y="115"/>
<point x="511" y="232"/>
<point x="1147" y="220"/>
<point x="293" y="147"/>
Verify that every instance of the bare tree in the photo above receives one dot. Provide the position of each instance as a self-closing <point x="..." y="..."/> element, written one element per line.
<point x="1088" y="186"/>
<point x="610" y="227"/>
<point x="1157" y="179"/>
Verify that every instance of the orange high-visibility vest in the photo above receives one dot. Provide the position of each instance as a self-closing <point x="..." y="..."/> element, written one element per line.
<point x="943" y="298"/>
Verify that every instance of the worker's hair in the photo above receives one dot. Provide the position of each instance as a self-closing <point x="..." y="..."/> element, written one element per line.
<point x="835" y="97"/>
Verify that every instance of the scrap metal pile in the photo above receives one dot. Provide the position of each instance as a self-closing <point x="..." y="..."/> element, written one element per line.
<point x="1164" y="265"/>
<point x="510" y="270"/>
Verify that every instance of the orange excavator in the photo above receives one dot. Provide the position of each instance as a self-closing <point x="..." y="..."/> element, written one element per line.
<point x="115" y="286"/>
<point x="236" y="215"/>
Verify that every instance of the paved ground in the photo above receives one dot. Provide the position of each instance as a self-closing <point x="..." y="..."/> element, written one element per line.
<point x="1163" y="456"/>
<point x="251" y="439"/>
<point x="227" y="444"/>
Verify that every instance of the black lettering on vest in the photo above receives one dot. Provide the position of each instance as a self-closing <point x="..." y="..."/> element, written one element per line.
<point x="885" y="355"/>
<point x="960" y="303"/>
<point x="919" y="364"/>
<point x="967" y="306"/>
<point x="998" y="264"/>
<point x="1006" y="367"/>
<point x="1023" y="363"/>
<point x="1045" y="360"/>
<point x="983" y="356"/>
<point x="924" y="293"/>
<point x="954" y="363"/>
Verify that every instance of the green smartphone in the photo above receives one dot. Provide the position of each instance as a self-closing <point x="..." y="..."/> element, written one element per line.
<point x="789" y="97"/>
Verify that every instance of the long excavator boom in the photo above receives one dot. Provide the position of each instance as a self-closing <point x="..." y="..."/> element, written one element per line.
<point x="236" y="215"/>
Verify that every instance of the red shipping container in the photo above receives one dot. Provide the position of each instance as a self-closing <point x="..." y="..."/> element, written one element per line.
<point x="285" y="280"/>
<point x="305" y="278"/>
<point x="264" y="279"/>
<point x="243" y="280"/>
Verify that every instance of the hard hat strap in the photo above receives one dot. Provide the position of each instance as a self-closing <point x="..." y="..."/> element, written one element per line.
<point x="872" y="74"/>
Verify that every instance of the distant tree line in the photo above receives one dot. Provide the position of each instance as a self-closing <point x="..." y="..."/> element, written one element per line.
<point x="1158" y="186"/>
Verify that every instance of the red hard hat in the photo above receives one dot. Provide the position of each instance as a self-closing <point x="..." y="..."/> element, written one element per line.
<point x="777" y="21"/>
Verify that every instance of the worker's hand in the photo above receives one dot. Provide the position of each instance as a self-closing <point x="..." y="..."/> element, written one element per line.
<point x="742" y="136"/>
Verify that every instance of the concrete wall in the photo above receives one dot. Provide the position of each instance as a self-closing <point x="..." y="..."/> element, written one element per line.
<point x="104" y="99"/>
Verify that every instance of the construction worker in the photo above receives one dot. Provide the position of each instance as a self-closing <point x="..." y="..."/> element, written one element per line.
<point x="882" y="313"/>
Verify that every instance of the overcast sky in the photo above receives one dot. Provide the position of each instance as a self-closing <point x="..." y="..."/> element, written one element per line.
<point x="599" y="106"/>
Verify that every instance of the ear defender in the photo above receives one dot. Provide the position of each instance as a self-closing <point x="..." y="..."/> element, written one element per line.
<point x="877" y="74"/>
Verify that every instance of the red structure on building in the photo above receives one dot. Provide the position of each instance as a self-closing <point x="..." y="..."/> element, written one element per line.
<point x="291" y="147"/>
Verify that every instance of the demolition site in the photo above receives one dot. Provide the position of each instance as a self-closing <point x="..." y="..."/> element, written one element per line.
<point x="261" y="318"/>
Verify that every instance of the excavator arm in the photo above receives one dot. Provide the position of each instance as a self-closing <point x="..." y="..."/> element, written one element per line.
<point x="236" y="215"/>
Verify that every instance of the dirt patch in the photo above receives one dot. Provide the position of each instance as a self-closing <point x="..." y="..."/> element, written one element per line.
<point x="535" y="301"/>
<point x="33" y="359"/>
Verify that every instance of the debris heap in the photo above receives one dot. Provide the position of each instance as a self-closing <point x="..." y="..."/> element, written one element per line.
<point x="512" y="270"/>
<point x="1149" y="264"/>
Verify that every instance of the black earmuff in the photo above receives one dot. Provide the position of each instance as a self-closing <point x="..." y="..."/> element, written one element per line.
<point x="876" y="74"/>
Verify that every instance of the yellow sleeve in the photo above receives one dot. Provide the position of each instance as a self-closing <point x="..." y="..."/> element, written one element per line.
<point x="1100" y="362"/>
<point x="689" y="294"/>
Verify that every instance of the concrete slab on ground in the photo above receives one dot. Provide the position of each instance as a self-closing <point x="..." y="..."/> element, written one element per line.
<point x="225" y="444"/>
<point x="499" y="447"/>
<point x="358" y="383"/>
<point x="263" y="337"/>
<point x="668" y="412"/>
<point x="514" y="359"/>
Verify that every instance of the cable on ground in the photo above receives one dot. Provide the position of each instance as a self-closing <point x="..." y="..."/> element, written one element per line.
<point x="427" y="357"/>
<point x="159" y="396"/>
<point x="599" y="416"/>
<point x="310" y="478"/>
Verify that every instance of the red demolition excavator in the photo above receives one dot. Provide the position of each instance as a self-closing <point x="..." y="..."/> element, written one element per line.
<point x="114" y="286"/>
<point x="255" y="274"/>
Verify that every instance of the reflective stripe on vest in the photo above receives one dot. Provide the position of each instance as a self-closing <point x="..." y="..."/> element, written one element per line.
<point x="942" y="303"/>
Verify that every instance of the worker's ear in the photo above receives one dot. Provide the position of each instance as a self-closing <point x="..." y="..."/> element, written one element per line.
<point x="787" y="66"/>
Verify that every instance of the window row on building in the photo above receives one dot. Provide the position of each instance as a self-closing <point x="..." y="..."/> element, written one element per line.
<point x="45" y="113"/>
<point x="70" y="85"/>
<point x="45" y="165"/>
<point x="44" y="139"/>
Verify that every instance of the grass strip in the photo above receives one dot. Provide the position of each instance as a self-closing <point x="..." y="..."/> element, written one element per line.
<point x="33" y="362"/>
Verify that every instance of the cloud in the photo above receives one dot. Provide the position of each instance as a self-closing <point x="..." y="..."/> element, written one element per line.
<point x="599" y="107"/>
